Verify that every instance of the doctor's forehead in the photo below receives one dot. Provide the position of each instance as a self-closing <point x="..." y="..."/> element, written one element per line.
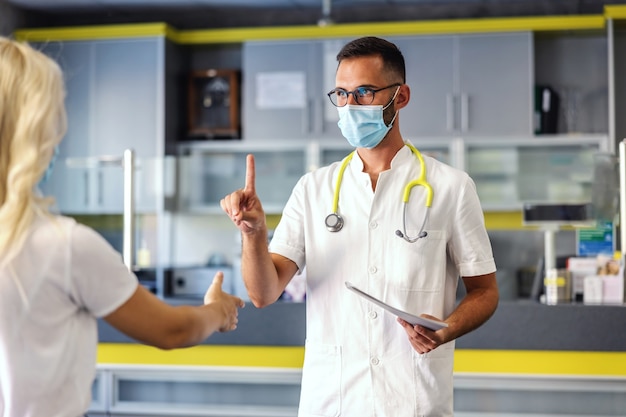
<point x="362" y="71"/>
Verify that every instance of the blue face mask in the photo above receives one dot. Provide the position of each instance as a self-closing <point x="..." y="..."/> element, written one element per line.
<point x="364" y="126"/>
<point x="48" y="173"/>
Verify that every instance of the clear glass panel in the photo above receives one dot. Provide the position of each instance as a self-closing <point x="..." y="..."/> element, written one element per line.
<point x="329" y="155"/>
<point x="507" y="176"/>
<point x="211" y="175"/>
<point x="95" y="185"/>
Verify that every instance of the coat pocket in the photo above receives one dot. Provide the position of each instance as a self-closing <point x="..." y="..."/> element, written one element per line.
<point x="321" y="381"/>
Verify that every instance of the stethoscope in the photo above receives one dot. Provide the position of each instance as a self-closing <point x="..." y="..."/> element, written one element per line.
<point x="334" y="222"/>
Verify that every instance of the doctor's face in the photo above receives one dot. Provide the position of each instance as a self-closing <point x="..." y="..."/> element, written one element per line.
<point x="369" y="71"/>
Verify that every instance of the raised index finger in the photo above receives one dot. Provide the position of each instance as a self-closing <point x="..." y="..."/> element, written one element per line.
<point x="250" y="175"/>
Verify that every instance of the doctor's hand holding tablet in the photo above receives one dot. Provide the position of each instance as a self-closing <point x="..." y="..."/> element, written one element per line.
<point x="422" y="330"/>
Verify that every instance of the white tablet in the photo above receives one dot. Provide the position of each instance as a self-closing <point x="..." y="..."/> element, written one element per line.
<point x="413" y="319"/>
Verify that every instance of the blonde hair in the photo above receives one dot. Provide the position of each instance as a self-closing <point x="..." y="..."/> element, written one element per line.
<point x="32" y="123"/>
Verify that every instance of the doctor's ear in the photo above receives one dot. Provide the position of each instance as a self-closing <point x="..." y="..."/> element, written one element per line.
<point x="403" y="97"/>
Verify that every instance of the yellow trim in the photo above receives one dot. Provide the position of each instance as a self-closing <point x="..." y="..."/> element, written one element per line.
<point x="465" y="360"/>
<point x="236" y="35"/>
<point x="504" y="220"/>
<point x="615" y="11"/>
<point x="541" y="362"/>
<point x="203" y="355"/>
<point x="79" y="33"/>
<point x="543" y="23"/>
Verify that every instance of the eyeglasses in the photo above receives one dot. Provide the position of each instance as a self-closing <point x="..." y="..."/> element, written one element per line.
<point x="362" y="95"/>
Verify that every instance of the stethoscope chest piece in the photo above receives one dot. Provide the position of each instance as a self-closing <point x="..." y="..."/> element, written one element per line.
<point x="334" y="222"/>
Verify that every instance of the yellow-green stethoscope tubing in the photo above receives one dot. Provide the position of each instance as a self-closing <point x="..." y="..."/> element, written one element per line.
<point x="334" y="222"/>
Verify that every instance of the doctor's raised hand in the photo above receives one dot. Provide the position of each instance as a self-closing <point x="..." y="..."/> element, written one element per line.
<point x="243" y="206"/>
<point x="265" y="275"/>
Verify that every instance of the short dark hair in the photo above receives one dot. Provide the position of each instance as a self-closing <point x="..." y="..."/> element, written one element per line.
<point x="370" y="45"/>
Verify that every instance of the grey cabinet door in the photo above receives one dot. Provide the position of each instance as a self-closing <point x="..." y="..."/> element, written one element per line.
<point x="115" y="101"/>
<point x="70" y="180"/>
<point x="76" y="60"/>
<point x="128" y="82"/>
<point x="128" y="113"/>
<point x="430" y="76"/>
<point x="283" y="95"/>
<point x="473" y="85"/>
<point x="495" y="78"/>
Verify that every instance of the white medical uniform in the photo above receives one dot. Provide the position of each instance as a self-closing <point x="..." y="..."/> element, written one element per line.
<point x="50" y="296"/>
<point x="358" y="360"/>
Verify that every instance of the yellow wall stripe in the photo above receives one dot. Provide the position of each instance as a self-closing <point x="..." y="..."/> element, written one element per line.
<point x="203" y="355"/>
<point x="79" y="33"/>
<point x="543" y="23"/>
<point x="505" y="220"/>
<point x="615" y="11"/>
<point x="466" y="360"/>
<point x="541" y="362"/>
<point x="236" y="35"/>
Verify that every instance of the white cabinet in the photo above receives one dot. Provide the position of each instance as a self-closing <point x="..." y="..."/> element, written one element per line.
<point x="159" y="390"/>
<point x="541" y="170"/>
<point x="507" y="172"/>
<point x="95" y="185"/>
<point x="284" y="89"/>
<point x="210" y="171"/>
<point x="322" y="153"/>
<point x="115" y="94"/>
<point x="470" y="85"/>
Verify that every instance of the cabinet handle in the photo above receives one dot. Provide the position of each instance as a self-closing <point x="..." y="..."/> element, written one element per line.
<point x="464" y="112"/>
<point x="86" y="182"/>
<point x="129" y="208"/>
<point x="306" y="118"/>
<point x="449" y="112"/>
<point x="100" y="184"/>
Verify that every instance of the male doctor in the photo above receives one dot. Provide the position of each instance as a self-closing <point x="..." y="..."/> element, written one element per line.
<point x="360" y="360"/>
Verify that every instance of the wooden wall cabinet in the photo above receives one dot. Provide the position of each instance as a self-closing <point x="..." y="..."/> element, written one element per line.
<point x="213" y="104"/>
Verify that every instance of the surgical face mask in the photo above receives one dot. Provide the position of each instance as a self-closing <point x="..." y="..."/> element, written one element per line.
<point x="48" y="173"/>
<point x="364" y="126"/>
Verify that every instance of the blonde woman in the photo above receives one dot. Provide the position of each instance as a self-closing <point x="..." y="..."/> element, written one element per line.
<point x="56" y="276"/>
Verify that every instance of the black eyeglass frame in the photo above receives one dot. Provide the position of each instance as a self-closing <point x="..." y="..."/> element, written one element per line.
<point x="354" y="92"/>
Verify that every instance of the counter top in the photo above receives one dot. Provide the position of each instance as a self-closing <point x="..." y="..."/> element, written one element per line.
<point x="516" y="325"/>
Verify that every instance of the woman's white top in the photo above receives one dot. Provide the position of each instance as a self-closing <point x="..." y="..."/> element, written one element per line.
<point x="358" y="360"/>
<point x="51" y="295"/>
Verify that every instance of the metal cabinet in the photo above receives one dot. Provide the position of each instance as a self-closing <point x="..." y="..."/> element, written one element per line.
<point x="470" y="85"/>
<point x="115" y="94"/>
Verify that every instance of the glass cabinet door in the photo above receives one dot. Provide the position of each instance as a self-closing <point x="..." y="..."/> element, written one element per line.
<point x="208" y="174"/>
<point x="508" y="174"/>
<point x="439" y="149"/>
